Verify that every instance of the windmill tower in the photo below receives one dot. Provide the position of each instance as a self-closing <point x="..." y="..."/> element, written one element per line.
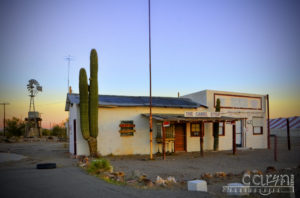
<point x="33" y="121"/>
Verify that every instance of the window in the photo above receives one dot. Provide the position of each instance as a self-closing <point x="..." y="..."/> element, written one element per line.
<point x="258" y="125"/>
<point x="127" y="128"/>
<point x="221" y="128"/>
<point x="158" y="131"/>
<point x="195" y="129"/>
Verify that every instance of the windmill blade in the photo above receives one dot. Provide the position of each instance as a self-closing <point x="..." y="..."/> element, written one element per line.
<point x="39" y="88"/>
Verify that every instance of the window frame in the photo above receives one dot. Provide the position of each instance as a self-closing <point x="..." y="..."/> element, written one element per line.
<point x="192" y="132"/>
<point x="261" y="130"/>
<point x="223" y="127"/>
<point x="261" y="127"/>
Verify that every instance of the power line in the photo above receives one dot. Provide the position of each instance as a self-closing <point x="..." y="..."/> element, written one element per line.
<point x="4" y="103"/>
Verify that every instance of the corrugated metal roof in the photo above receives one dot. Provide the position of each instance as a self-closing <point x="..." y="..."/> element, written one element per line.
<point x="137" y="101"/>
<point x="180" y="117"/>
<point x="281" y="123"/>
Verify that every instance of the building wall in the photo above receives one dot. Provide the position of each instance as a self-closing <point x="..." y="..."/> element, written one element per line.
<point x="81" y="144"/>
<point x="110" y="141"/>
<point x="206" y="97"/>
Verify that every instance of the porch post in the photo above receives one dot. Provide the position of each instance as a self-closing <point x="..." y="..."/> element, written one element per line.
<point x="201" y="138"/>
<point x="164" y="143"/>
<point x="233" y="138"/>
<point x="288" y="133"/>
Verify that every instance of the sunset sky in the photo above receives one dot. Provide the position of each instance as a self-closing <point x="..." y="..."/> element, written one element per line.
<point x="244" y="46"/>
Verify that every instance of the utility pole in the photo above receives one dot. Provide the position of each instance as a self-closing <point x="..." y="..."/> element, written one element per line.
<point x="4" y="103"/>
<point x="150" y="102"/>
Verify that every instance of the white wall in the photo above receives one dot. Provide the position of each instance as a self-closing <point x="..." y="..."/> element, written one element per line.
<point x="206" y="97"/>
<point x="81" y="143"/>
<point x="109" y="139"/>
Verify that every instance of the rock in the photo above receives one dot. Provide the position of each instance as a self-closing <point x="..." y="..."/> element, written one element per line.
<point x="246" y="173"/>
<point x="237" y="189"/>
<point x="257" y="172"/>
<point x="147" y="182"/>
<point x="131" y="181"/>
<point x="206" y="176"/>
<point x="171" y="180"/>
<point x="197" y="185"/>
<point x="270" y="169"/>
<point x="136" y="174"/>
<point x="160" y="181"/>
<point x="220" y="174"/>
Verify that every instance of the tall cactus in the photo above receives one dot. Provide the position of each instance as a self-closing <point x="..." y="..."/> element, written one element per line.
<point x="216" y="128"/>
<point x="89" y="103"/>
<point x="84" y="104"/>
<point x="93" y="97"/>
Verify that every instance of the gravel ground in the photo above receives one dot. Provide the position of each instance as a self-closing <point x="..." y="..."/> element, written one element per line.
<point x="186" y="166"/>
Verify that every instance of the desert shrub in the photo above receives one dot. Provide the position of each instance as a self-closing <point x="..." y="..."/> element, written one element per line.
<point x="98" y="165"/>
<point x="59" y="131"/>
<point x="46" y="132"/>
<point x="15" y="127"/>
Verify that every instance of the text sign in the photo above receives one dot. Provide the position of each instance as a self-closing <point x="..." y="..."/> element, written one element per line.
<point x="201" y="114"/>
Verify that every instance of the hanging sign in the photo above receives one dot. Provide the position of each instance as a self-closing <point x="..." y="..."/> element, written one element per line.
<point x="166" y="123"/>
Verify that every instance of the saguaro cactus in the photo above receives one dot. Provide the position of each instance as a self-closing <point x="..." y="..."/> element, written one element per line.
<point x="93" y="96"/>
<point x="84" y="104"/>
<point x="89" y="103"/>
<point x="216" y="128"/>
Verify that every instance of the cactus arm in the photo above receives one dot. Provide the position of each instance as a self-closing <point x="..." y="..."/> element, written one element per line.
<point x="84" y="104"/>
<point x="93" y="95"/>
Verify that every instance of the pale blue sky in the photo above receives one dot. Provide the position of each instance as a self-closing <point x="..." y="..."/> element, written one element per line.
<point x="244" y="46"/>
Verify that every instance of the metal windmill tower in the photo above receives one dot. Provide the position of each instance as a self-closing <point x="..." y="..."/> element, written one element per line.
<point x="33" y="120"/>
<point x="33" y="88"/>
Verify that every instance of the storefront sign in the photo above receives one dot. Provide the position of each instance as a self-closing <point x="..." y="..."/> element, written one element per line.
<point x="201" y="114"/>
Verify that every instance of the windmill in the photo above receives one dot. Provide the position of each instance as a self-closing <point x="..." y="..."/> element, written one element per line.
<point x="33" y="124"/>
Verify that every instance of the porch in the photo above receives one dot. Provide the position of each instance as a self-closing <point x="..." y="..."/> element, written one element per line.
<point x="171" y="131"/>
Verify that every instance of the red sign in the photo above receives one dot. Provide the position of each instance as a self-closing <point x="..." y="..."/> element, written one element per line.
<point x="166" y="123"/>
<point x="127" y="125"/>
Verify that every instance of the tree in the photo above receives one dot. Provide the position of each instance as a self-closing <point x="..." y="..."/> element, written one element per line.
<point x="15" y="127"/>
<point x="89" y="103"/>
<point x="216" y="128"/>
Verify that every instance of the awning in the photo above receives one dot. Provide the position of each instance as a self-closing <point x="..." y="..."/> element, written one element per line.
<point x="180" y="117"/>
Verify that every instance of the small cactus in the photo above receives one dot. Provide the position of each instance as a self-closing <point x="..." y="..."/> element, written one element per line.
<point x="216" y="128"/>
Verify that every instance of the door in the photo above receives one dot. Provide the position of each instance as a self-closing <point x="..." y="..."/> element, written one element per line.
<point x="238" y="133"/>
<point x="180" y="137"/>
<point x="74" y="135"/>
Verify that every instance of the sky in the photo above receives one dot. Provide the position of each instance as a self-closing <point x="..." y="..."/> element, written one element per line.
<point x="243" y="46"/>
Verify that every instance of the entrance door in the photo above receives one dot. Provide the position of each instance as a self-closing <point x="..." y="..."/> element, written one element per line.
<point x="180" y="137"/>
<point x="238" y="133"/>
<point x="74" y="134"/>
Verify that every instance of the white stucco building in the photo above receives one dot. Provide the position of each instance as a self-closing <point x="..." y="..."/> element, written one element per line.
<point x="124" y="123"/>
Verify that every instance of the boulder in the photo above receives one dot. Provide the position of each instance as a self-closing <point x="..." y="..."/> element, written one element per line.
<point x="197" y="185"/>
